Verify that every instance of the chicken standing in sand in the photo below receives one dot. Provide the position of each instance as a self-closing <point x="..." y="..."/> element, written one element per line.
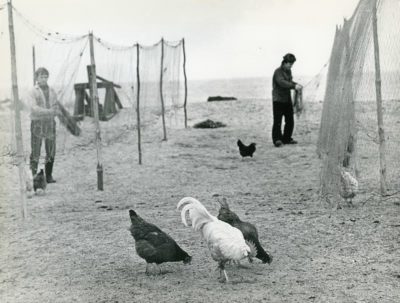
<point x="226" y="243"/>
<point x="249" y="230"/>
<point x="246" y="151"/>
<point x="39" y="181"/>
<point x="154" y="245"/>
<point x="349" y="186"/>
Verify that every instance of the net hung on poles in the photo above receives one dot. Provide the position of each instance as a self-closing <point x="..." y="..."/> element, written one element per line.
<point x="119" y="68"/>
<point x="349" y="139"/>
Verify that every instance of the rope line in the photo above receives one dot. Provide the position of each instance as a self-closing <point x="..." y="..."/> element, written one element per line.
<point x="52" y="36"/>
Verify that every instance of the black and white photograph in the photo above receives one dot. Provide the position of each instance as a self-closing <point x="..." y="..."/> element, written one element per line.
<point x="199" y="151"/>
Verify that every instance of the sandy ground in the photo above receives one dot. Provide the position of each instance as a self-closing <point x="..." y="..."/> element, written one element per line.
<point x="75" y="246"/>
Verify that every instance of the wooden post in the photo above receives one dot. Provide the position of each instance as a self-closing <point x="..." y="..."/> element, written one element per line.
<point x="34" y="64"/>
<point x="350" y="143"/>
<point x="17" y="109"/>
<point x="95" y="108"/>
<point x="161" y="90"/>
<point x="138" y="103"/>
<point x="381" y="131"/>
<point x="184" y="75"/>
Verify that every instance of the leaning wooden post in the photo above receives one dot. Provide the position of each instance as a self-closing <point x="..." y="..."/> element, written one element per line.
<point x="184" y="75"/>
<point x="95" y="108"/>
<point x="161" y="90"/>
<point x="34" y="64"/>
<point x="381" y="131"/>
<point x="17" y="109"/>
<point x="138" y="103"/>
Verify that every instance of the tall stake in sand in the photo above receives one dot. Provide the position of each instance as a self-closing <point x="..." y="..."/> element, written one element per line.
<point x="34" y="63"/>
<point x="161" y="90"/>
<point x="381" y="131"/>
<point x="95" y="108"/>
<point x="17" y="109"/>
<point x="184" y="75"/>
<point x="138" y="103"/>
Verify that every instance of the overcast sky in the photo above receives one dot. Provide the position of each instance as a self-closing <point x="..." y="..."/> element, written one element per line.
<point x="224" y="38"/>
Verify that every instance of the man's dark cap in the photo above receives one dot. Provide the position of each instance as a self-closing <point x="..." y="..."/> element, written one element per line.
<point x="289" y="58"/>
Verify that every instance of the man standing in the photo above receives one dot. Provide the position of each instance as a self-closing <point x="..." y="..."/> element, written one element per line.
<point x="282" y="105"/>
<point x="43" y="104"/>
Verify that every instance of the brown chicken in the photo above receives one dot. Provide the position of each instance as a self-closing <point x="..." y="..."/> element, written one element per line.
<point x="249" y="230"/>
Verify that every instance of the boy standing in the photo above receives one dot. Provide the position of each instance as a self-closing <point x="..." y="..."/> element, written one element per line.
<point x="43" y="103"/>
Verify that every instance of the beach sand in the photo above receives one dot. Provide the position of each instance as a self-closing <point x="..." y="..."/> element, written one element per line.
<point x="75" y="246"/>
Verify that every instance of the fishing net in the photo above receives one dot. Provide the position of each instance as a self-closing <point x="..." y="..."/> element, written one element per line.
<point x="348" y="136"/>
<point x="61" y="55"/>
<point x="131" y="79"/>
<point x="173" y="84"/>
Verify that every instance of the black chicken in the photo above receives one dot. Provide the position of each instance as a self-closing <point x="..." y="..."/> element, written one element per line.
<point x="154" y="245"/>
<point x="246" y="151"/>
<point x="249" y="231"/>
<point x="39" y="181"/>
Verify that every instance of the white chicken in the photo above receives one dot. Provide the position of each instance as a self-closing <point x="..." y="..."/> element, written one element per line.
<point x="225" y="242"/>
<point x="349" y="186"/>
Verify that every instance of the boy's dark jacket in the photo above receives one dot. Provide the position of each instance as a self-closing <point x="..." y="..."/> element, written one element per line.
<point x="282" y="83"/>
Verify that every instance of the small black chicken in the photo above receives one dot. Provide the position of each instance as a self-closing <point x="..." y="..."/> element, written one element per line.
<point x="246" y="151"/>
<point x="249" y="231"/>
<point x="39" y="181"/>
<point x="154" y="245"/>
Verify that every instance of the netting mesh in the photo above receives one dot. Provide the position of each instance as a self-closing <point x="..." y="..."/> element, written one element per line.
<point x="173" y="88"/>
<point x="150" y="94"/>
<point x="116" y="64"/>
<point x="67" y="59"/>
<point x="314" y="89"/>
<point x="61" y="55"/>
<point x="349" y="129"/>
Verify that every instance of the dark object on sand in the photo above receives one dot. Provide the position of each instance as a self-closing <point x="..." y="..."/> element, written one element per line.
<point x="209" y="124"/>
<point x="68" y="121"/>
<point x="246" y="151"/>
<point x="219" y="98"/>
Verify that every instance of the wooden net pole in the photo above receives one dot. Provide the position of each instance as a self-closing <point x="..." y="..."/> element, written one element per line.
<point x="378" y="81"/>
<point x="34" y="63"/>
<point x="138" y="102"/>
<point x="95" y="108"/>
<point x="17" y="113"/>
<point x="161" y="90"/>
<point x="185" y="77"/>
